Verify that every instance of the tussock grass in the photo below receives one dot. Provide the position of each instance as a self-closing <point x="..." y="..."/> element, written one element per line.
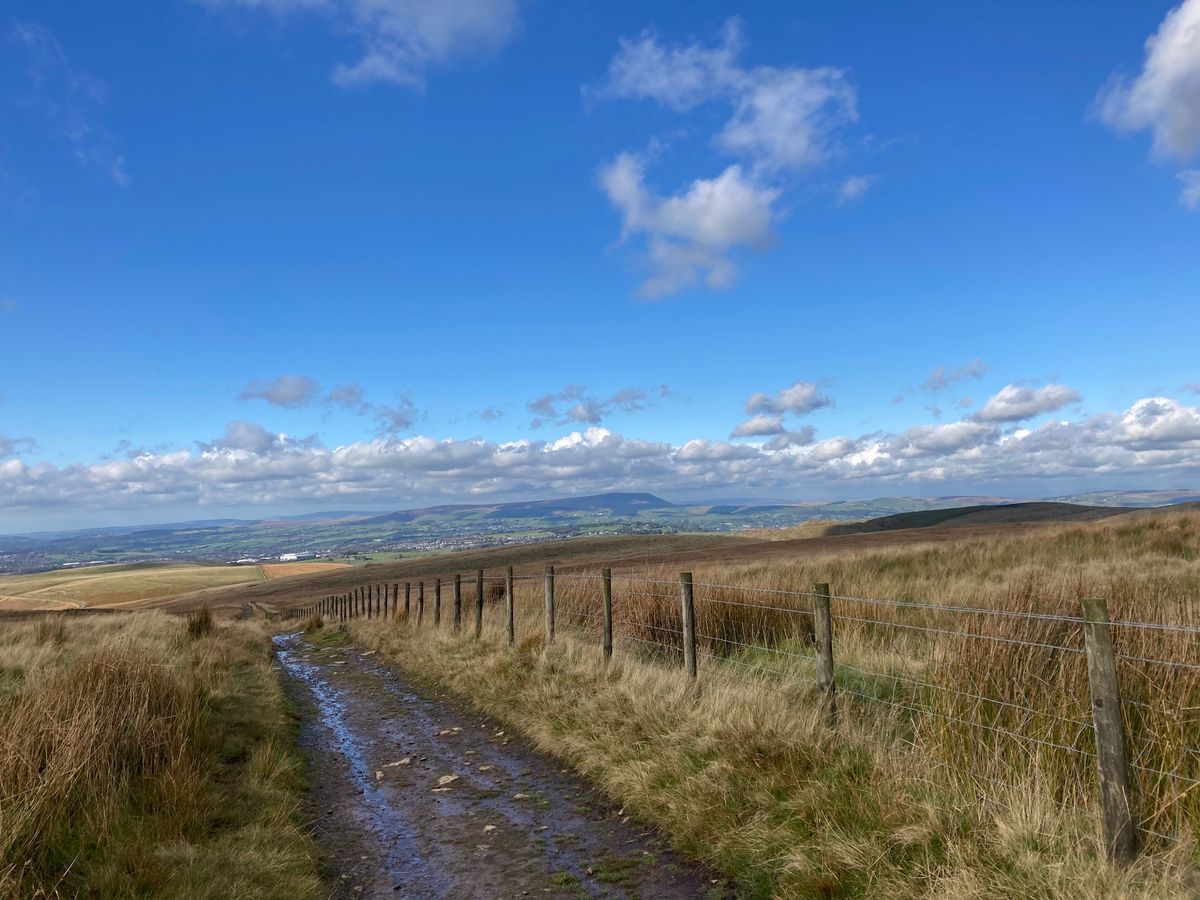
<point x="137" y="759"/>
<point x="924" y="789"/>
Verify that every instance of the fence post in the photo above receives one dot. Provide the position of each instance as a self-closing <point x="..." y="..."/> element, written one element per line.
<point x="689" y="624"/>
<point x="510" y="625"/>
<point x="478" y="603"/>
<point x="407" y="598"/>
<point x="437" y="602"/>
<point x="457" y="601"/>
<point x="420" y="601"/>
<point x="606" y="580"/>
<point x="395" y="600"/>
<point x="1120" y="836"/>
<point x="823" y="638"/>
<point x="370" y="590"/>
<point x="549" y="604"/>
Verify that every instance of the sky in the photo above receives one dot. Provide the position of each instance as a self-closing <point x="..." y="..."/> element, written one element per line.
<point x="261" y="257"/>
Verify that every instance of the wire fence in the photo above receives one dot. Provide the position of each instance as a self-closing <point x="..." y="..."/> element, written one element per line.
<point x="1084" y="706"/>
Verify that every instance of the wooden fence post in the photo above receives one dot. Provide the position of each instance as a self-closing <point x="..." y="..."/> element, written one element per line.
<point x="437" y="602"/>
<point x="606" y="580"/>
<point x="689" y="624"/>
<point x="457" y="601"/>
<point x="420" y="601"/>
<point x="1112" y="760"/>
<point x="478" y="603"/>
<point x="549" y="604"/>
<point x="823" y="638"/>
<point x="369" y="592"/>
<point x="510" y="625"/>
<point x="407" y="598"/>
<point x="395" y="600"/>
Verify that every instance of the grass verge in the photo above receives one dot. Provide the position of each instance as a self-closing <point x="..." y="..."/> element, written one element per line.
<point x="140" y="759"/>
<point x="748" y="780"/>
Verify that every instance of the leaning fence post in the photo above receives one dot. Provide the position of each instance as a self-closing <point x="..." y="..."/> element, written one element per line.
<point x="508" y="604"/>
<point x="437" y="602"/>
<point x="1112" y="760"/>
<point x="823" y="638"/>
<point x="606" y="581"/>
<point x="689" y="623"/>
<point x="549" y="604"/>
<point x="457" y="601"/>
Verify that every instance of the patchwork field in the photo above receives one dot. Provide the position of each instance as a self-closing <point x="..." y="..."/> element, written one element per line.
<point x="112" y="586"/>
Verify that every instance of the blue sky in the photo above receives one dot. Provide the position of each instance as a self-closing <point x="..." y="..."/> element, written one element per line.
<point x="280" y="255"/>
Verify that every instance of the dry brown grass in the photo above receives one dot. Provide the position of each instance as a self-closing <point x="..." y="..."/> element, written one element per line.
<point x="96" y="586"/>
<point x="939" y="780"/>
<point x="115" y="762"/>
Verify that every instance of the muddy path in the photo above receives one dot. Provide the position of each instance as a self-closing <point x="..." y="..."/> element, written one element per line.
<point x="412" y="795"/>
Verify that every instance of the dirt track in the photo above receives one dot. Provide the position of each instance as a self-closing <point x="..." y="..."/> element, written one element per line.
<point x="509" y="823"/>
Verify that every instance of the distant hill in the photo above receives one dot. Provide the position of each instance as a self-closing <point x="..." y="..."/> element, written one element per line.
<point x="1006" y="513"/>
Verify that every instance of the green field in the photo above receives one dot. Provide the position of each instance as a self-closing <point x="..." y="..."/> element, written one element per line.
<point x="93" y="586"/>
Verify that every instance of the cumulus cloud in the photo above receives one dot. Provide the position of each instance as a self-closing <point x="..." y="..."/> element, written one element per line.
<point x="759" y="426"/>
<point x="782" y="120"/>
<point x="287" y="391"/>
<point x="1013" y="403"/>
<point x="1164" y="98"/>
<point x="943" y="376"/>
<point x="800" y="399"/>
<point x="402" y="39"/>
<point x="72" y="100"/>
<point x="573" y="404"/>
<point x="690" y="236"/>
<point x="1155" y="440"/>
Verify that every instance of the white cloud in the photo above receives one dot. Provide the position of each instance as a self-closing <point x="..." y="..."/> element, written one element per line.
<point x="800" y="399"/>
<point x="781" y="118"/>
<point x="855" y="188"/>
<point x="789" y="118"/>
<point x="1165" y="96"/>
<point x="1013" y="403"/>
<point x="760" y="426"/>
<point x="72" y="100"/>
<point x="1155" y="441"/>
<point x="781" y="121"/>
<point x="1189" y="197"/>
<point x="690" y="236"/>
<point x="679" y="77"/>
<point x="402" y="39"/>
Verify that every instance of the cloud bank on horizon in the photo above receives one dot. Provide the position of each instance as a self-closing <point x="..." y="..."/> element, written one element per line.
<point x="1012" y="441"/>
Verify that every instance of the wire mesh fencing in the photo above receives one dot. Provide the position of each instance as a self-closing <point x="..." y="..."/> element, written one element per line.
<point x="1082" y="705"/>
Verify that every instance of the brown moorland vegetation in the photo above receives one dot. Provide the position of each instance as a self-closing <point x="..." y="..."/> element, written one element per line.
<point x="962" y="763"/>
<point x="139" y="760"/>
